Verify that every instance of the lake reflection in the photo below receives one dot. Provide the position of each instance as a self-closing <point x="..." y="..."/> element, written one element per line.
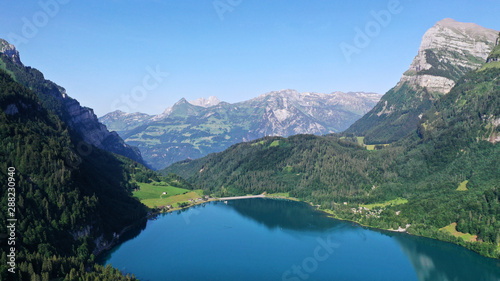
<point x="264" y="239"/>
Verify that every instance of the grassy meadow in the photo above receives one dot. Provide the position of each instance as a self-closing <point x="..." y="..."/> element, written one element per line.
<point x="397" y="201"/>
<point x="152" y="195"/>
<point x="452" y="229"/>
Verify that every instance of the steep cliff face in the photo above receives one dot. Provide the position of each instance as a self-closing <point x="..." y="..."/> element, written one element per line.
<point x="10" y="51"/>
<point x="81" y="120"/>
<point x="87" y="125"/>
<point x="494" y="57"/>
<point x="448" y="50"/>
<point x="188" y="130"/>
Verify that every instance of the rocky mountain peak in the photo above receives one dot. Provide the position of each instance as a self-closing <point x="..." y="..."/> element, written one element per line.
<point x="10" y="50"/>
<point x="449" y="50"/>
<point x="180" y="105"/>
<point x="211" y="101"/>
<point x="181" y="102"/>
<point x="470" y="28"/>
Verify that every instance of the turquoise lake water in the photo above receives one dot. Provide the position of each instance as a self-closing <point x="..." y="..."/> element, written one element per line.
<point x="265" y="239"/>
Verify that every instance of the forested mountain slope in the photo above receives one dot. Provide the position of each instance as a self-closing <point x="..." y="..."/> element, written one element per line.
<point x="69" y="201"/>
<point x="455" y="144"/>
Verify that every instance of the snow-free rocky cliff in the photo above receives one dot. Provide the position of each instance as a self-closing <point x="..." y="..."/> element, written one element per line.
<point x="80" y="119"/>
<point x="448" y="50"/>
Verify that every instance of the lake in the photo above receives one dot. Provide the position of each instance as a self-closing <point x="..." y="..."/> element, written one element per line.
<point x="266" y="239"/>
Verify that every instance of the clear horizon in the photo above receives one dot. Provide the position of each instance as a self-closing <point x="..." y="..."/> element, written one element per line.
<point x="146" y="55"/>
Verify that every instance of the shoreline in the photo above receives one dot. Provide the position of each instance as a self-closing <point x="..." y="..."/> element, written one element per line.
<point x="98" y="252"/>
<point x="327" y="212"/>
<point x="332" y="215"/>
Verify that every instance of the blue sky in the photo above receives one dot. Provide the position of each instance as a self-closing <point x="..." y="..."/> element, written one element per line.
<point x="115" y="54"/>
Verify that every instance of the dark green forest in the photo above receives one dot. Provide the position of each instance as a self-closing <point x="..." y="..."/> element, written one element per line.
<point x="68" y="193"/>
<point x="452" y="143"/>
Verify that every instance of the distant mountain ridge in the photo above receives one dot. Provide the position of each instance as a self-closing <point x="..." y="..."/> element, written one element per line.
<point x="448" y="50"/>
<point x="211" y="101"/>
<point x="187" y="130"/>
<point x="445" y="172"/>
<point x="80" y="119"/>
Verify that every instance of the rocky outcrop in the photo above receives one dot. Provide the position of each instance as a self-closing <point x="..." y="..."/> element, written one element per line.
<point x="430" y="82"/>
<point x="494" y="57"/>
<point x="81" y="120"/>
<point x="449" y="50"/>
<point x="82" y="233"/>
<point x="87" y="125"/>
<point x="9" y="50"/>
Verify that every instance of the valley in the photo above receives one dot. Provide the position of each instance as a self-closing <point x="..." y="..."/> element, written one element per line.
<point x="379" y="184"/>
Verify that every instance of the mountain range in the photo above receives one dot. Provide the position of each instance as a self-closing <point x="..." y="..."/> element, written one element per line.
<point x="441" y="169"/>
<point x="195" y="129"/>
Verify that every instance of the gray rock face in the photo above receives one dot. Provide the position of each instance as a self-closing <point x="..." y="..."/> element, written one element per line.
<point x="87" y="125"/>
<point x="81" y="120"/>
<point x="449" y="50"/>
<point x="289" y="112"/>
<point x="9" y="50"/>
